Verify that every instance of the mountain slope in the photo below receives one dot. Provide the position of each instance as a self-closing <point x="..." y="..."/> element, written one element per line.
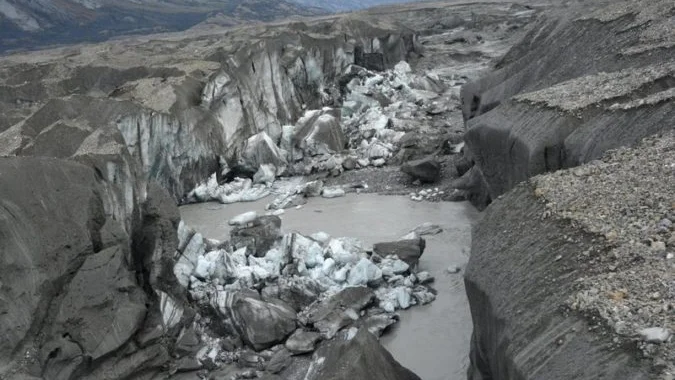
<point x="348" y="5"/>
<point x="29" y="24"/>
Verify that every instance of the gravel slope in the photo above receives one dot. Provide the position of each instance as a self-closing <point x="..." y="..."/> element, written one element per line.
<point x="629" y="203"/>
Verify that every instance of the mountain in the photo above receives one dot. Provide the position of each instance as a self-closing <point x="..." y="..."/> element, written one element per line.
<point x="27" y="24"/>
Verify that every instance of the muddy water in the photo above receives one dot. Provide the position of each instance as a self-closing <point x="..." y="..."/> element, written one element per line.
<point x="431" y="340"/>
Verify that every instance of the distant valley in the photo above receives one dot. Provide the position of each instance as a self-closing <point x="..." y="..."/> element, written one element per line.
<point x="27" y="25"/>
<point x="348" y="5"/>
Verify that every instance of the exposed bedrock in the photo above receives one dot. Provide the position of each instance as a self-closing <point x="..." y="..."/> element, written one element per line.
<point x="577" y="85"/>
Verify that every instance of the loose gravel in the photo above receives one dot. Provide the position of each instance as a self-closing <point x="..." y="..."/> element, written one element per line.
<point x="628" y="199"/>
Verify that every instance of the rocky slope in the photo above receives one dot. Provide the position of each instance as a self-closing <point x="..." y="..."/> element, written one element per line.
<point x="553" y="276"/>
<point x="587" y="292"/>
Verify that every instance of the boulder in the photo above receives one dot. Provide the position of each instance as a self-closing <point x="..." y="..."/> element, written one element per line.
<point x="378" y="321"/>
<point x="259" y="150"/>
<point x="423" y="295"/>
<point x="243" y="219"/>
<point x="655" y="335"/>
<point x="335" y="321"/>
<point x="204" y="269"/>
<point x="265" y="174"/>
<point x="278" y="362"/>
<point x="463" y="165"/>
<point x="188" y="341"/>
<point x="302" y="341"/>
<point x="409" y="251"/>
<point x="182" y="271"/>
<point x="285" y="201"/>
<point x="391" y="267"/>
<point x="364" y="273"/>
<point x="375" y="80"/>
<point x="345" y="250"/>
<point x="378" y="149"/>
<point x="427" y="229"/>
<point x="425" y="169"/>
<point x="298" y="292"/>
<point x="389" y="136"/>
<point x="259" y="236"/>
<point x="187" y="364"/>
<point x="393" y="298"/>
<point x="304" y="249"/>
<point x="287" y="142"/>
<point x="402" y="68"/>
<point x="472" y="186"/>
<point x="321" y="237"/>
<point x="313" y="188"/>
<point x="356" y="103"/>
<point x="429" y="82"/>
<point x="356" y="355"/>
<point x="239" y="190"/>
<point x="374" y="121"/>
<point x="349" y="163"/>
<point x="336" y="312"/>
<point x="260" y="324"/>
<point x="416" y="146"/>
<point x="319" y="132"/>
<point x="185" y="234"/>
<point x="351" y="72"/>
<point x="171" y="311"/>
<point x="333" y="192"/>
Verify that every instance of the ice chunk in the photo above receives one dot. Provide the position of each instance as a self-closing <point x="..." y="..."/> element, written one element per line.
<point x="364" y="272"/>
<point x="243" y="219"/>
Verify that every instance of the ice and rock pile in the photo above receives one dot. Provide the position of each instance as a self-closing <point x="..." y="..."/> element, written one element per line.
<point x="380" y="120"/>
<point x="427" y="194"/>
<point x="267" y="289"/>
<point x="325" y="140"/>
<point x="239" y="190"/>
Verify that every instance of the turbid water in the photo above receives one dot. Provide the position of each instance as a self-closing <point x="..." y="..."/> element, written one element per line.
<point x="431" y="340"/>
